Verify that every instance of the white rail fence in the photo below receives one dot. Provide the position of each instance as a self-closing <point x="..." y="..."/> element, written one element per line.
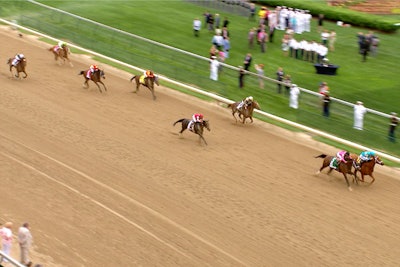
<point x="222" y="99"/>
<point x="10" y="260"/>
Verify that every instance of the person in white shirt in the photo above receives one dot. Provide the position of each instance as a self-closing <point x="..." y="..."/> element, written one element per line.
<point x="6" y="238"/>
<point x="294" y="96"/>
<point x="196" y="26"/>
<point x="25" y="241"/>
<point x="214" y="66"/>
<point x="359" y="112"/>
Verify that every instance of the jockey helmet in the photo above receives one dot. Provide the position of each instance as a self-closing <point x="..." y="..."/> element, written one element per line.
<point x="201" y="116"/>
<point x="20" y="56"/>
<point x="94" y="67"/>
<point x="250" y="98"/>
<point x="149" y="73"/>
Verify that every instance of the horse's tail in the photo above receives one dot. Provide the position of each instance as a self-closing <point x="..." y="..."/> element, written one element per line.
<point x="322" y="156"/>
<point x="9" y="61"/>
<point x="134" y="76"/>
<point x="51" y="48"/>
<point x="229" y="105"/>
<point x="82" y="72"/>
<point x="181" y="120"/>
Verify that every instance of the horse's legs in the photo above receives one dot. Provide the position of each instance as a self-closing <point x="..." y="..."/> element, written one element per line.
<point x="373" y="179"/>
<point x="347" y="182"/>
<point x="201" y="137"/>
<point x="152" y="92"/>
<point x="105" y="88"/>
<point x="251" y="118"/>
<point x="86" y="83"/>
<point x="98" y="86"/>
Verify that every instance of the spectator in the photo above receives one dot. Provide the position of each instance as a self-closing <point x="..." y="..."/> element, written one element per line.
<point x="214" y="67"/>
<point x="262" y="39"/>
<point x="206" y="15"/>
<point x="247" y="61"/>
<point x="279" y="76"/>
<point x="227" y="46"/>
<point x="364" y="49"/>
<point x="285" y="44"/>
<point x="374" y="45"/>
<point x="332" y="40"/>
<point x="25" y="241"/>
<point x="242" y="72"/>
<point x="323" y="88"/>
<point x="196" y="26"/>
<point x="6" y="238"/>
<point x="359" y="112"/>
<point x="217" y="21"/>
<point x="326" y="100"/>
<point x="320" y="22"/>
<point x="217" y="40"/>
<point x="210" y="23"/>
<point x="394" y="121"/>
<point x="288" y="82"/>
<point x="360" y="38"/>
<point x="325" y="37"/>
<point x="213" y="51"/>
<point x="294" y="96"/>
<point x="252" y="12"/>
<point x="225" y="23"/>
<point x="260" y="72"/>
<point x="251" y="37"/>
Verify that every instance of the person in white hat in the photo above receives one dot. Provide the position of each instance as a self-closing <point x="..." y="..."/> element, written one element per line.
<point x="214" y="65"/>
<point x="359" y="112"/>
<point x="294" y="96"/>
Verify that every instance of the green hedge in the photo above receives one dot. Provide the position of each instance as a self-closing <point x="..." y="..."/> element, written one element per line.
<point x="338" y="13"/>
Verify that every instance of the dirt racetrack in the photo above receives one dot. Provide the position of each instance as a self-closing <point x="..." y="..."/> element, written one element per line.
<point x="104" y="180"/>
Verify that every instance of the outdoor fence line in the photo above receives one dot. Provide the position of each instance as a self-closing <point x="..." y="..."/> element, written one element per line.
<point x="234" y="2"/>
<point x="10" y="260"/>
<point x="216" y="97"/>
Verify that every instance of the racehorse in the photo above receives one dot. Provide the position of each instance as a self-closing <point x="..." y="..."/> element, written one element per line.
<point x="20" y="67"/>
<point x="367" y="168"/>
<point x="148" y="82"/>
<point x="344" y="168"/>
<point x="61" y="53"/>
<point x="95" y="77"/>
<point x="245" y="112"/>
<point x="198" y="127"/>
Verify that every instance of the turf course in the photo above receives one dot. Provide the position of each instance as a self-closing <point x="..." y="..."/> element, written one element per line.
<point x="374" y="82"/>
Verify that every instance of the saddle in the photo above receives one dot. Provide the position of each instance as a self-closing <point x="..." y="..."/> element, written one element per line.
<point x="142" y="79"/>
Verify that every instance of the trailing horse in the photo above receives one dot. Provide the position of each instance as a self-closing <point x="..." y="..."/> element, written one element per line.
<point x="20" y="67"/>
<point x="95" y="77"/>
<point x="367" y="168"/>
<point x="61" y="54"/>
<point x="147" y="82"/>
<point x="245" y="112"/>
<point x="343" y="168"/>
<point x="198" y="127"/>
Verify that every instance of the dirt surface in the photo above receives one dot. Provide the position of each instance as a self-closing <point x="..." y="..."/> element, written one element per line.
<point x="104" y="180"/>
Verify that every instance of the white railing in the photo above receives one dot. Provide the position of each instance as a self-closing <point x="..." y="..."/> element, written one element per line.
<point x="10" y="260"/>
<point x="219" y="98"/>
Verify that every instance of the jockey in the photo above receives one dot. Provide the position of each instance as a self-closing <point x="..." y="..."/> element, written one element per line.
<point x="147" y="73"/>
<point x="197" y="117"/>
<point x="91" y="70"/>
<point x="245" y="102"/>
<point x="364" y="156"/>
<point x="17" y="59"/>
<point x="340" y="157"/>
<point x="60" y="44"/>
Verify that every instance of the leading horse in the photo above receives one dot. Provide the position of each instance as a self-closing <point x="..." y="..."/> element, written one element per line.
<point x="198" y="127"/>
<point x="20" y="67"/>
<point x="245" y="112"/>
<point x="147" y="82"/>
<point x="367" y="168"/>
<point x="343" y="168"/>
<point x="96" y="77"/>
<point x="61" y="54"/>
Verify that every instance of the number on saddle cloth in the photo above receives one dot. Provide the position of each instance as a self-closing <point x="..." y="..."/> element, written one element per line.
<point x="334" y="163"/>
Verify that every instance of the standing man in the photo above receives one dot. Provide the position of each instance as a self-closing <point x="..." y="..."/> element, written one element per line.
<point x="359" y="112"/>
<point x="25" y="241"/>
<point x="326" y="100"/>
<point x="294" y="96"/>
<point x="394" y="121"/>
<point x="214" y="66"/>
<point x="247" y="61"/>
<point x="279" y="76"/>
<point x="196" y="26"/>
